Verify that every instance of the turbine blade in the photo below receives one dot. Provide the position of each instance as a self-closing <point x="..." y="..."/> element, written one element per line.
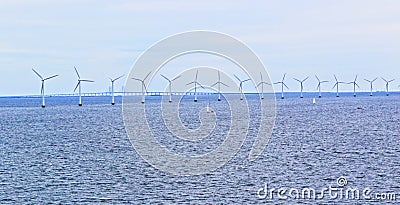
<point x="357" y="85"/>
<point x="325" y="81"/>
<point x="224" y="84"/>
<point x="384" y="79"/>
<point x="285" y="85"/>
<point x="200" y="85"/>
<point x="374" y="79"/>
<point x="118" y="78"/>
<point x="237" y="78"/>
<point x="50" y="77"/>
<point x="390" y="80"/>
<point x="79" y="82"/>
<point x="246" y="80"/>
<point x="197" y="73"/>
<point x="297" y="80"/>
<point x="176" y="77"/>
<point x="284" y="75"/>
<point x="261" y="77"/>
<point x="146" y="76"/>
<point x="165" y="78"/>
<point x="76" y="70"/>
<point x="317" y="78"/>
<point x="191" y="83"/>
<point x="91" y="81"/>
<point x="214" y="84"/>
<point x="335" y="77"/>
<point x="367" y="80"/>
<point x="305" y="79"/>
<point x="37" y="74"/>
<point x="137" y="79"/>
<point x="259" y="84"/>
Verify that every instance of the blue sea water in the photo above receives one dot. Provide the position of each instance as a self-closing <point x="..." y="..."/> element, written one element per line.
<point x="69" y="154"/>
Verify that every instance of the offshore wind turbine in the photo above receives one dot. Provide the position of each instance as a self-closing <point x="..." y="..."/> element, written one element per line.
<point x="387" y="85"/>
<point x="170" y="85"/>
<point x="219" y="83"/>
<point x="79" y="85"/>
<point x="319" y="85"/>
<point x="195" y="85"/>
<point x="112" y="88"/>
<point x="42" y="89"/>
<point x="354" y="86"/>
<point x="262" y="83"/>
<point x="143" y="85"/>
<point x="337" y="85"/>
<point x="301" y="85"/>
<point x="241" y="85"/>
<point x="283" y="84"/>
<point x="370" y="82"/>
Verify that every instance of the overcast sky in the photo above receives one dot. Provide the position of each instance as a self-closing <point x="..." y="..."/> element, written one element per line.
<point x="104" y="38"/>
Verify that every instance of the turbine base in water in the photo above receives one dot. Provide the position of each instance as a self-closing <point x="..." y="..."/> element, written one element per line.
<point x="219" y="99"/>
<point x="80" y="105"/>
<point x="112" y="103"/>
<point x="43" y="106"/>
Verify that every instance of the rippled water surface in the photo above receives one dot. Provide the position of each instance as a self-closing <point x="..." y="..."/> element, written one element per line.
<point x="70" y="154"/>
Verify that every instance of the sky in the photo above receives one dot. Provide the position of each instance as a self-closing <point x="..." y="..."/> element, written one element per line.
<point x="103" y="39"/>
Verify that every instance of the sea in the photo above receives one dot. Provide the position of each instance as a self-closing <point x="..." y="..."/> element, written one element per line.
<point x="340" y="150"/>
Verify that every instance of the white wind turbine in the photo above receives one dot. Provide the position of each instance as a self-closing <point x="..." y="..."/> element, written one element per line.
<point x="283" y="84"/>
<point x="337" y="85"/>
<point x="241" y="86"/>
<point x="319" y="85"/>
<point x="219" y="83"/>
<point x="112" y="88"/>
<point x="371" y="82"/>
<point x="143" y="85"/>
<point x="42" y="89"/>
<point x="387" y="85"/>
<point x="79" y="85"/>
<point x="262" y="83"/>
<point x="170" y="85"/>
<point x="301" y="85"/>
<point x="195" y="85"/>
<point x="354" y="86"/>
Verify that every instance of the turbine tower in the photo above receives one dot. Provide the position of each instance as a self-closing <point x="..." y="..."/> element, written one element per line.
<point x="354" y="86"/>
<point x="301" y="85"/>
<point x="370" y="82"/>
<point x="112" y="88"/>
<point x="143" y="86"/>
<point x="219" y="83"/>
<point x="195" y="86"/>
<point x="241" y="85"/>
<point x="337" y="85"/>
<point x="387" y="85"/>
<point x="319" y="85"/>
<point x="42" y="89"/>
<point x="262" y="83"/>
<point x="283" y="84"/>
<point x="170" y="86"/>
<point x="79" y="85"/>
